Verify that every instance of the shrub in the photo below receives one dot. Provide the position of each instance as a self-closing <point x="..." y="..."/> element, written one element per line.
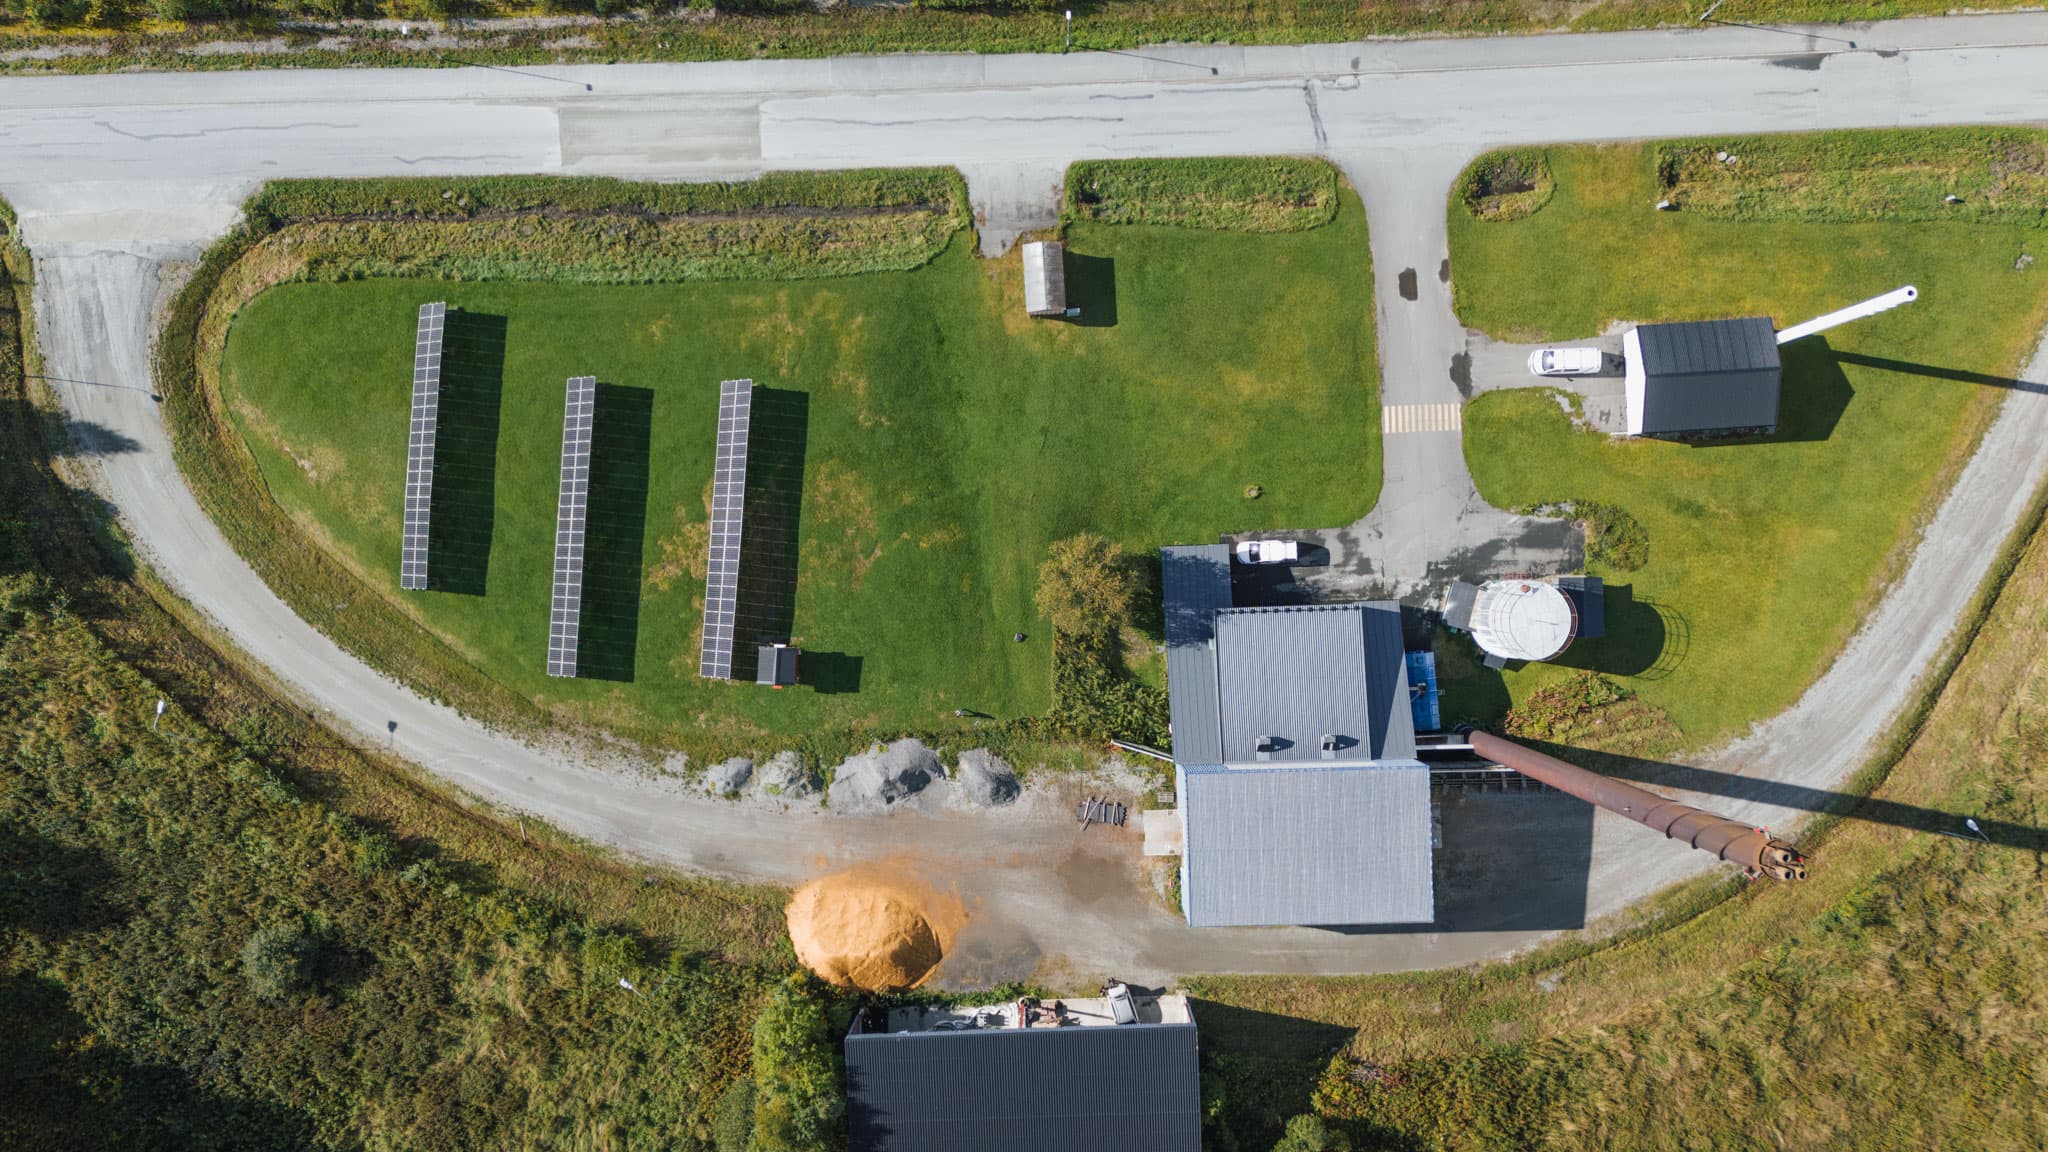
<point x="1243" y="194"/>
<point x="276" y="961"/>
<point x="1508" y="185"/>
<point x="1087" y="586"/>
<point x="798" y="1100"/>
<point x="1308" y="1133"/>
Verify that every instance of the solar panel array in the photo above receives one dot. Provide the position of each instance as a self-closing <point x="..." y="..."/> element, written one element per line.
<point x="566" y="613"/>
<point x="728" y="509"/>
<point x="419" y="451"/>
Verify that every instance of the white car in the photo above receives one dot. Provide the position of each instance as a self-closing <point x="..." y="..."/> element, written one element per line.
<point x="1268" y="551"/>
<point x="1565" y="361"/>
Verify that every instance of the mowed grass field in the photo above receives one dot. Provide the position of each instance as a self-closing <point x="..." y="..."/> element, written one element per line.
<point x="1763" y="557"/>
<point x="946" y="440"/>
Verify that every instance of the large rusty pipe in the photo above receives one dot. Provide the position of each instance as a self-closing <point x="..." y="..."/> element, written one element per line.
<point x="1728" y="839"/>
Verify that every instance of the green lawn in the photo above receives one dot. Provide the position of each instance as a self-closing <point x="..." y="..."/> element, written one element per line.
<point x="949" y="439"/>
<point x="1763" y="557"/>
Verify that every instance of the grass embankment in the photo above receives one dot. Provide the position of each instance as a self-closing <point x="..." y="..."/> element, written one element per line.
<point x="946" y="441"/>
<point x="1268" y="194"/>
<point x="1893" y="1000"/>
<point x="424" y="974"/>
<point x="108" y="35"/>
<point x="1762" y="557"/>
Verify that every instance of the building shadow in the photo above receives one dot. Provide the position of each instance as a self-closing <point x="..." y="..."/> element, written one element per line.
<point x="1513" y="859"/>
<point x="1812" y="396"/>
<point x="764" y="609"/>
<point x="1710" y="782"/>
<point x="614" y="530"/>
<point x="1091" y="287"/>
<point x="1940" y="373"/>
<point x="1262" y="1066"/>
<point x="1644" y="639"/>
<point x="827" y="672"/>
<point x="464" y="506"/>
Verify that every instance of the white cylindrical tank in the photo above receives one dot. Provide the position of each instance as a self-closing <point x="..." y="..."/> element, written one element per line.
<point x="1523" y="619"/>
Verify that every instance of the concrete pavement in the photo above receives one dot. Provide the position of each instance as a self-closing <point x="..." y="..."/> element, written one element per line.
<point x="118" y="178"/>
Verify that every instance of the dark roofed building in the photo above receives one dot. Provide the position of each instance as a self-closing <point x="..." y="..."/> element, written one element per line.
<point x="1702" y="377"/>
<point x="967" y="1080"/>
<point x="1194" y="584"/>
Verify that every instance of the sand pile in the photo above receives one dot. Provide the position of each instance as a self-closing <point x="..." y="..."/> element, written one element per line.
<point x="876" y="927"/>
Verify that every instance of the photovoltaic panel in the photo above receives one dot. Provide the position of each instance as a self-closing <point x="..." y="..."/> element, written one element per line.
<point x="419" y="450"/>
<point x="728" y="509"/>
<point x="566" y="606"/>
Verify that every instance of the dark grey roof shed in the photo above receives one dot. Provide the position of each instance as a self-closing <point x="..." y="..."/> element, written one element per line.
<point x="1123" y="1088"/>
<point x="1705" y="376"/>
<point x="1194" y="585"/>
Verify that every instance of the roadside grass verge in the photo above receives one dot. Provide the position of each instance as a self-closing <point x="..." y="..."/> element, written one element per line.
<point x="945" y="442"/>
<point x="1998" y="175"/>
<point x="1761" y="557"/>
<point x="1503" y="186"/>
<point x="1888" y="1001"/>
<point x="438" y="958"/>
<point x="1244" y="194"/>
<point x="123" y="34"/>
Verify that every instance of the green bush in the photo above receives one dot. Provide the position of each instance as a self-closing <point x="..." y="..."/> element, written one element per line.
<point x="2000" y="176"/>
<point x="1087" y="586"/>
<point x="276" y="961"/>
<point x="798" y="1098"/>
<point x="1309" y="1133"/>
<point x="1240" y="194"/>
<point x="1507" y="185"/>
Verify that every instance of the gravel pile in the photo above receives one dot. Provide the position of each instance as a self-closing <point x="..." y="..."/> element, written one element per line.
<point x="982" y="779"/>
<point x="883" y="777"/>
<point x="728" y="777"/>
<point x="785" y="777"/>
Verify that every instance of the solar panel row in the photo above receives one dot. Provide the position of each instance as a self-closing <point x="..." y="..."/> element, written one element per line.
<point x="566" y="611"/>
<point x="728" y="508"/>
<point x="419" y="450"/>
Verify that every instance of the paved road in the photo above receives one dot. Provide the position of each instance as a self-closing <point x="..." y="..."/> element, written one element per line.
<point x="119" y="178"/>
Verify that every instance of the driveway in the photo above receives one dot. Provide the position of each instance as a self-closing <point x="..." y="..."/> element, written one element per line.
<point x="121" y="179"/>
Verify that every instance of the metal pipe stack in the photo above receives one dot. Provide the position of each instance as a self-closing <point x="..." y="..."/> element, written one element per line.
<point x="1732" y="840"/>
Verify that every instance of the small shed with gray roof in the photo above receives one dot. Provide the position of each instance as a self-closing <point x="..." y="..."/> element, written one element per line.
<point x="1702" y="377"/>
<point x="1045" y="278"/>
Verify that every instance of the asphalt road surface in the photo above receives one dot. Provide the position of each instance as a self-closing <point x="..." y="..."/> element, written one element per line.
<point x="120" y="180"/>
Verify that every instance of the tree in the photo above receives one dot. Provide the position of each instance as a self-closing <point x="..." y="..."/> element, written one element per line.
<point x="797" y="1097"/>
<point x="1087" y="586"/>
<point x="275" y="961"/>
<point x="1308" y="1133"/>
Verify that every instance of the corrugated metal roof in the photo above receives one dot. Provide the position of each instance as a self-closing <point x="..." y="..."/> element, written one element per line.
<point x="1045" y="278"/>
<point x="1707" y="375"/>
<point x="1308" y="844"/>
<point x="1298" y="674"/>
<point x="1194" y="586"/>
<point x="1127" y="1088"/>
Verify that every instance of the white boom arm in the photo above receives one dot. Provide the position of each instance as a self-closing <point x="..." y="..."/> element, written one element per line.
<point x="1870" y="307"/>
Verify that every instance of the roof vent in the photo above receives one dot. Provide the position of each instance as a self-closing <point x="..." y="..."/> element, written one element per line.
<point x="1329" y="746"/>
<point x="1263" y="747"/>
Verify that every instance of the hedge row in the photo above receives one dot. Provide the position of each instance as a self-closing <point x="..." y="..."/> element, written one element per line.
<point x="1999" y="175"/>
<point x="856" y="190"/>
<point x="1240" y="194"/>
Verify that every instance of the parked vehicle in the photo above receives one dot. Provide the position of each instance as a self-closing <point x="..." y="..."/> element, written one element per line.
<point x="1268" y="551"/>
<point x="1566" y="361"/>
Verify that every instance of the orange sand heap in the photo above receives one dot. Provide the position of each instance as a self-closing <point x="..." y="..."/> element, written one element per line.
<point x="876" y="927"/>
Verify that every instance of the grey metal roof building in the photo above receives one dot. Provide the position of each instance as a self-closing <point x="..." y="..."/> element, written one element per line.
<point x="1301" y="801"/>
<point x="1124" y="1088"/>
<point x="1702" y="376"/>
<point x="1318" y="682"/>
<point x="1195" y="585"/>
<point x="1322" y="844"/>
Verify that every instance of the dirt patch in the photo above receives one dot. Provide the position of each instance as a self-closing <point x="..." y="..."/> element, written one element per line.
<point x="846" y="522"/>
<point x="877" y="927"/>
<point x="686" y="551"/>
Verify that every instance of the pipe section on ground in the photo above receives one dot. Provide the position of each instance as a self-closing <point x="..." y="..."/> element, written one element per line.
<point x="1729" y="839"/>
